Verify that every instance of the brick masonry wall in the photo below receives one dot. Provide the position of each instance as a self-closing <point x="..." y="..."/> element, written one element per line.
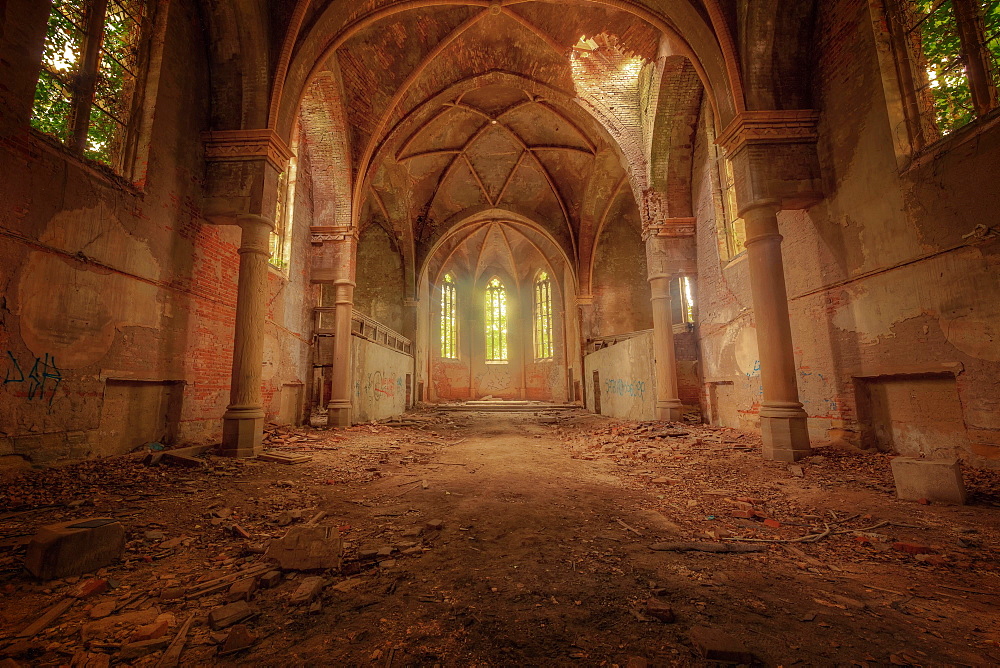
<point x="881" y="284"/>
<point x="105" y="284"/>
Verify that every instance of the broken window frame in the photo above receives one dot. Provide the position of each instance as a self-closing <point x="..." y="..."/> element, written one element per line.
<point x="964" y="53"/>
<point x="496" y="323"/>
<point x="449" y="318"/>
<point x="100" y="92"/>
<point x="544" y="340"/>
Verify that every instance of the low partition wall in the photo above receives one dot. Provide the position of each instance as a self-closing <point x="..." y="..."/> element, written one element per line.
<point x="383" y="380"/>
<point x="621" y="379"/>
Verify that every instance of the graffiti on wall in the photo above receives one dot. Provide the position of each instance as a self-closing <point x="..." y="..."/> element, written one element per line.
<point x="494" y="380"/>
<point x="379" y="386"/>
<point x="41" y="381"/>
<point x="625" y="388"/>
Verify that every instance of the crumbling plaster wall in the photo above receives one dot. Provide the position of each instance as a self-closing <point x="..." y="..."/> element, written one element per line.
<point x="106" y="281"/>
<point x="880" y="280"/>
<point x="622" y="379"/>
<point x="380" y="377"/>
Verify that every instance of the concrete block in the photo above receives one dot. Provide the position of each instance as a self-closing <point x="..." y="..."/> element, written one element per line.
<point x="74" y="548"/>
<point x="932" y="479"/>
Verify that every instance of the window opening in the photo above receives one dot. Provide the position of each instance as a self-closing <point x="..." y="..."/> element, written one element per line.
<point x="496" y="322"/>
<point x="543" y="317"/>
<point x="951" y="50"/>
<point x="682" y="300"/>
<point x="449" y="318"/>
<point x="280" y="241"/>
<point x="87" y="86"/>
<point x="734" y="228"/>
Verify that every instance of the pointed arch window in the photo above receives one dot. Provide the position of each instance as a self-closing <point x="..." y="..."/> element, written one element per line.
<point x="543" y="317"/>
<point x="496" y="322"/>
<point x="449" y="318"/>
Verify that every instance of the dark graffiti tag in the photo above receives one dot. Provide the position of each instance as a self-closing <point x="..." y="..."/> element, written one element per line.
<point x="623" y="388"/>
<point x="43" y="380"/>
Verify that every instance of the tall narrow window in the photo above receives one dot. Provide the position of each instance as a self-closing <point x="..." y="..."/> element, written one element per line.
<point x="734" y="229"/>
<point x="682" y="300"/>
<point x="496" y="322"/>
<point x="87" y="87"/>
<point x="449" y="318"/>
<point x="543" y="317"/>
<point x="280" y="243"/>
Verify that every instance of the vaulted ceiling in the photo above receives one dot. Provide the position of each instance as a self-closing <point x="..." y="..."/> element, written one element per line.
<point x="440" y="115"/>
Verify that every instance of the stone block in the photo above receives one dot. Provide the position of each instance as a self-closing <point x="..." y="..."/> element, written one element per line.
<point x="932" y="479"/>
<point x="227" y="615"/>
<point x="309" y="589"/>
<point x="716" y="645"/>
<point x="307" y="548"/>
<point x="74" y="548"/>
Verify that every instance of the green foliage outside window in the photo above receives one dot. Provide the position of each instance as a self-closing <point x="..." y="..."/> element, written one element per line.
<point x="943" y="57"/>
<point x="100" y="97"/>
<point x="61" y="57"/>
<point x="941" y="47"/>
<point x="449" y="318"/>
<point x="991" y="23"/>
<point x="496" y="322"/>
<point x="543" y="317"/>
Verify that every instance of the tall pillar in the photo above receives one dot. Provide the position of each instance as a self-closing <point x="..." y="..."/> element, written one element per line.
<point x="243" y="422"/>
<point x="669" y="243"/>
<point x="340" y="406"/>
<point x="782" y="418"/>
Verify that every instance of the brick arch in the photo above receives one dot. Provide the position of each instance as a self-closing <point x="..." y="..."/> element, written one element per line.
<point x="672" y="149"/>
<point x="240" y="67"/>
<point x="705" y="40"/>
<point x="776" y="40"/>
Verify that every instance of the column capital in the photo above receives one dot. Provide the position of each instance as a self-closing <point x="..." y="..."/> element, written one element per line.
<point x="774" y="126"/>
<point x="773" y="157"/>
<point x="247" y="145"/>
<point x="671" y="228"/>
<point x="334" y="233"/>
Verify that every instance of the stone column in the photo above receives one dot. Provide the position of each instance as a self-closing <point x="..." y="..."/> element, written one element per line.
<point x="340" y="406"/>
<point x="782" y="418"/>
<point x="243" y="422"/>
<point x="668" y="405"/>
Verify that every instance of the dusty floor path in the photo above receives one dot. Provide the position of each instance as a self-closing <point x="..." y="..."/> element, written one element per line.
<point x="542" y="556"/>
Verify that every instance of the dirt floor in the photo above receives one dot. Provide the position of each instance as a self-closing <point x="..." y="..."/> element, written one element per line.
<point x="542" y="555"/>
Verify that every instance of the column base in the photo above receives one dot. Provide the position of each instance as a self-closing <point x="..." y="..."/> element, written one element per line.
<point x="669" y="411"/>
<point x="242" y="431"/>
<point x="338" y="415"/>
<point x="786" y="439"/>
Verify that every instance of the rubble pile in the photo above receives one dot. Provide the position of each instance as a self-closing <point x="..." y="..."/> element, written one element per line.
<point x="717" y="490"/>
<point x="205" y="571"/>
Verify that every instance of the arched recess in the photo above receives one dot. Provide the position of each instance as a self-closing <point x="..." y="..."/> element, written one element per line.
<point x="515" y="249"/>
<point x="701" y="35"/>
<point x="776" y="47"/>
<point x="672" y="149"/>
<point x="240" y="66"/>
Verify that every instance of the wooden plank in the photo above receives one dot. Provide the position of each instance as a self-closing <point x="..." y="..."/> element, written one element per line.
<point x="46" y="619"/>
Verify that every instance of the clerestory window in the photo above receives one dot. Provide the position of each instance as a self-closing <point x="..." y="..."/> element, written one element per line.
<point x="948" y="53"/>
<point x="87" y="90"/>
<point x="543" y="317"/>
<point x="449" y="318"/>
<point x="496" y="322"/>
